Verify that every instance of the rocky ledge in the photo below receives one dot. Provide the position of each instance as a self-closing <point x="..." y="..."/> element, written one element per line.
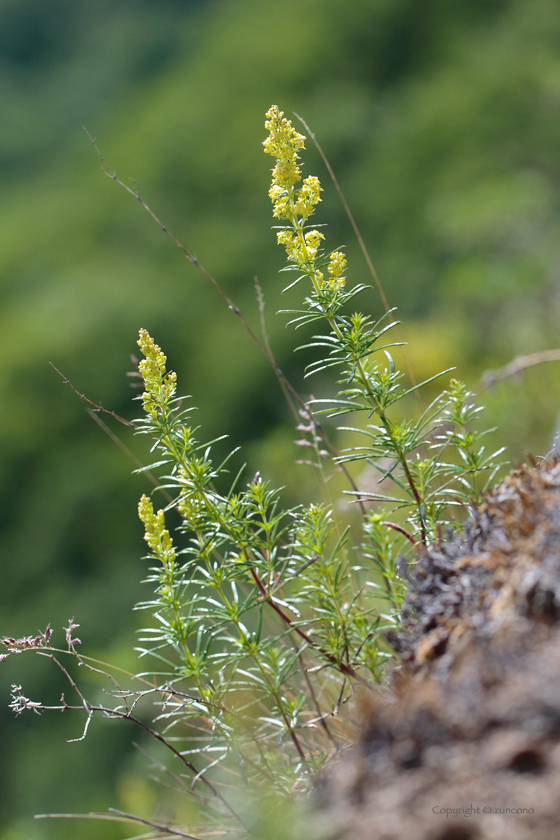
<point x="466" y="745"/>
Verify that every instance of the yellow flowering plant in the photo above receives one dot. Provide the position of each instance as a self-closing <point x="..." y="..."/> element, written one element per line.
<point x="426" y="485"/>
<point x="274" y="617"/>
<point x="266" y="620"/>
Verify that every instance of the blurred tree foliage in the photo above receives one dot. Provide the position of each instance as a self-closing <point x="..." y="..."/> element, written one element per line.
<point x="64" y="63"/>
<point x="441" y="120"/>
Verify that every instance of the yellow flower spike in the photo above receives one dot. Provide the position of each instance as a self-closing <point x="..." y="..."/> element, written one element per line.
<point x="283" y="143"/>
<point x="156" y="534"/>
<point x="296" y="206"/>
<point x="159" y="386"/>
<point x="152" y="367"/>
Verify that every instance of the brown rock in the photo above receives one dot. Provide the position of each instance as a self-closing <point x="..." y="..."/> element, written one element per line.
<point x="466" y="746"/>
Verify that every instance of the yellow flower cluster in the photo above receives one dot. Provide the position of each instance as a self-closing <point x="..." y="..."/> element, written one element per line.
<point x="335" y="268"/>
<point x="307" y="197"/>
<point x="283" y="143"/>
<point x="300" y="250"/>
<point x="157" y="536"/>
<point x="159" y="386"/>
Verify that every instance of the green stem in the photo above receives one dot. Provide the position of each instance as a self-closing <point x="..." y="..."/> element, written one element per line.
<point x="363" y="378"/>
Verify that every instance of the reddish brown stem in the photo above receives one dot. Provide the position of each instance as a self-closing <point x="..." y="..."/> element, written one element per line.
<point x="417" y="498"/>
<point x="343" y="667"/>
<point x="401" y="530"/>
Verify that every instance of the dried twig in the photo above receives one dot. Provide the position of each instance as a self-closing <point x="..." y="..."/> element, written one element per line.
<point x="127" y="715"/>
<point x="122" y="816"/>
<point x="490" y="377"/>
<point x="94" y="406"/>
<point x="116" y="439"/>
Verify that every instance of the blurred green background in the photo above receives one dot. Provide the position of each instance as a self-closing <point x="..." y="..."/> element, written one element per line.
<point x="441" y="119"/>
